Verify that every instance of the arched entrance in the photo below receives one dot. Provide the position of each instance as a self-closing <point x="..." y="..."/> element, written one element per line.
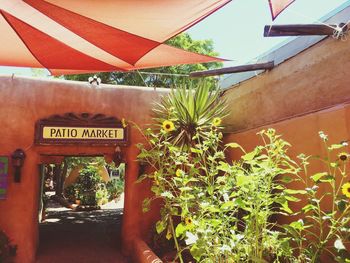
<point x="84" y="231"/>
<point x="90" y="230"/>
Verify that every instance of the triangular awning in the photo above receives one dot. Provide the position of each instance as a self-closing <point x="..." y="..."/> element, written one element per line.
<point x="89" y="35"/>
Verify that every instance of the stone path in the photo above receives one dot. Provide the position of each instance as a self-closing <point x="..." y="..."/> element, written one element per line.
<point x="67" y="236"/>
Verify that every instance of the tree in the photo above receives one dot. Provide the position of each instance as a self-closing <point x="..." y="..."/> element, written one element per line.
<point x="169" y="76"/>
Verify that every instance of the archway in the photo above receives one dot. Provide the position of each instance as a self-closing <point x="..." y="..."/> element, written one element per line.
<point x="85" y="229"/>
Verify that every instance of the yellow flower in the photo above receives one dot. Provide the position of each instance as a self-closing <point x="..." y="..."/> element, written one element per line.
<point x="178" y="172"/>
<point x="343" y="156"/>
<point x="156" y="181"/>
<point x="168" y="126"/>
<point x="346" y="189"/>
<point x="217" y="121"/>
<point x="168" y="235"/>
<point x="188" y="221"/>
<point x="124" y="123"/>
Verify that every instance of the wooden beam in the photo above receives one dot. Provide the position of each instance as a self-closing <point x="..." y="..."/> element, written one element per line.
<point x="229" y="70"/>
<point x="300" y="30"/>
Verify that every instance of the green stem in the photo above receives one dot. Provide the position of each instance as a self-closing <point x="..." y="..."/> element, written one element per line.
<point x="175" y="239"/>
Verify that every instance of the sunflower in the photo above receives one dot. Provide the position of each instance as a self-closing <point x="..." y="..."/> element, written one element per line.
<point x="168" y="126"/>
<point x="188" y="221"/>
<point x="346" y="189"/>
<point x="178" y="172"/>
<point x="343" y="156"/>
<point x="216" y="121"/>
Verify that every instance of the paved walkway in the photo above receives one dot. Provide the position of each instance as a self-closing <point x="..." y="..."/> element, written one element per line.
<point x="67" y="236"/>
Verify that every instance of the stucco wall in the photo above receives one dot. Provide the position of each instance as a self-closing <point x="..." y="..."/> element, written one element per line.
<point x="316" y="79"/>
<point x="23" y="102"/>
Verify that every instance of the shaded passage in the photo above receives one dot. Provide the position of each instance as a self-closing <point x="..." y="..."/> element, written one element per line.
<point x="81" y="237"/>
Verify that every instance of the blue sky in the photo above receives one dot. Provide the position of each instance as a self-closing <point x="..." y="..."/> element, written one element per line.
<point x="237" y="28"/>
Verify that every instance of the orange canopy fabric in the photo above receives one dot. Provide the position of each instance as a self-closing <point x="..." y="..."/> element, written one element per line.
<point x="277" y="6"/>
<point x="69" y="37"/>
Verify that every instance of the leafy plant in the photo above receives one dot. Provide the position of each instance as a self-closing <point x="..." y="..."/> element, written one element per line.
<point x="70" y="192"/>
<point x="115" y="188"/>
<point x="192" y="110"/>
<point x="229" y="206"/>
<point x="187" y="118"/>
<point x="87" y="184"/>
<point x="323" y="229"/>
<point x="218" y="211"/>
<point x="260" y="196"/>
<point x="102" y="194"/>
<point x="226" y="212"/>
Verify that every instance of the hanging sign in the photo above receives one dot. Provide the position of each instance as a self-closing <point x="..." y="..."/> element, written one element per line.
<point x="82" y="133"/>
<point x="4" y="164"/>
<point x="81" y="129"/>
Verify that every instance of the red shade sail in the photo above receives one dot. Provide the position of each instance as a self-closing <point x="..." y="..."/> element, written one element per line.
<point x="277" y="6"/>
<point x="67" y="36"/>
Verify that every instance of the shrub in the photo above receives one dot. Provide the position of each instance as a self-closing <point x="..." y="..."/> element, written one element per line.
<point x="88" y="184"/>
<point x="70" y="192"/>
<point x="102" y="194"/>
<point x="218" y="211"/>
<point x="322" y="231"/>
<point x="115" y="188"/>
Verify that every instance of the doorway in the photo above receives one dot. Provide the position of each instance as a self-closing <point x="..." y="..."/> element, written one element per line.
<point x="81" y="210"/>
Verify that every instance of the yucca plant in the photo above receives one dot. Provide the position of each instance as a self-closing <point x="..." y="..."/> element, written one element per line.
<point x="188" y="111"/>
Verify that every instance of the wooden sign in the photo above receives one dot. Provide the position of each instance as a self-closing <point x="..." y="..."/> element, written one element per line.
<point x="4" y="164"/>
<point x="84" y="128"/>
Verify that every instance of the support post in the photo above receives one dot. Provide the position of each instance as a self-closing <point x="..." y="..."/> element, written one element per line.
<point x="229" y="70"/>
<point x="302" y="30"/>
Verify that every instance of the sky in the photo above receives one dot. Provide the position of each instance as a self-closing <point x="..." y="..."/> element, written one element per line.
<point x="237" y="29"/>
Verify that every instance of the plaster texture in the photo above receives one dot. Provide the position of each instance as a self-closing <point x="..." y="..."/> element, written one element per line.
<point x="25" y="101"/>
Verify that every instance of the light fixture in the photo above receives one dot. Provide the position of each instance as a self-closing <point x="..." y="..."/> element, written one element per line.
<point x="118" y="157"/>
<point x="18" y="157"/>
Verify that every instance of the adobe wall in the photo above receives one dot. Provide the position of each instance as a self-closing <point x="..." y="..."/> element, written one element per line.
<point x="315" y="79"/>
<point x="24" y="101"/>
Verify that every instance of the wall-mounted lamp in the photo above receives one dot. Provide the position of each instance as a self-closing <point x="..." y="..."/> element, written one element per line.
<point x="118" y="156"/>
<point x="18" y="157"/>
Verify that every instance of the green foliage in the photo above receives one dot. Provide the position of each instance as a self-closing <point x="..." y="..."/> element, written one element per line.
<point x="115" y="188"/>
<point x="7" y="250"/>
<point x="323" y="227"/>
<point x="84" y="161"/>
<point x="102" y="195"/>
<point x="70" y="192"/>
<point x="193" y="112"/>
<point x="223" y="211"/>
<point x="89" y="186"/>
<point x="229" y="206"/>
<point x="184" y="41"/>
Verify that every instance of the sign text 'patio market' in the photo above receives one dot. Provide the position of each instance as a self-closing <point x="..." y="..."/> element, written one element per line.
<point x="82" y="133"/>
<point x="83" y="128"/>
